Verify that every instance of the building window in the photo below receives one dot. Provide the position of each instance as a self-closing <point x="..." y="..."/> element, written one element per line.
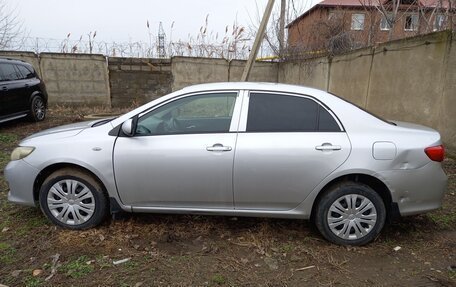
<point x="386" y="22"/>
<point x="357" y="22"/>
<point x="439" y="22"/>
<point x="411" y="22"/>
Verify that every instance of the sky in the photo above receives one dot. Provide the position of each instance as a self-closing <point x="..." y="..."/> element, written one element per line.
<point x="125" y="20"/>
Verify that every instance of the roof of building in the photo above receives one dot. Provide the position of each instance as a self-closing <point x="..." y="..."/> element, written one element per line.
<point x="364" y="3"/>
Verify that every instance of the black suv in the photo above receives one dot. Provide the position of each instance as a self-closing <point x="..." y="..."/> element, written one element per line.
<point x="22" y="93"/>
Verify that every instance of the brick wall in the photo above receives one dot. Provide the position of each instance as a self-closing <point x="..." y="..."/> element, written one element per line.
<point x="138" y="81"/>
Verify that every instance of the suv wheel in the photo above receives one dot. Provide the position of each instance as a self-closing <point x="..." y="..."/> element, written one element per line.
<point x="350" y="214"/>
<point x="37" y="109"/>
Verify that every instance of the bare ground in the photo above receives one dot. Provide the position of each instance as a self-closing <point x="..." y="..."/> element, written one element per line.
<point x="180" y="250"/>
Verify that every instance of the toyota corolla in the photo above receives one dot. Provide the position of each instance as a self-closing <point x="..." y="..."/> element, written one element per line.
<point x="239" y="149"/>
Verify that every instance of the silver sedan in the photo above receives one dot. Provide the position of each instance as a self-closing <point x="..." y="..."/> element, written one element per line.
<point x="244" y="149"/>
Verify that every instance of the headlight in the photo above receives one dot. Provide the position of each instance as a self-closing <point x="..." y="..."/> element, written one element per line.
<point x="21" y="152"/>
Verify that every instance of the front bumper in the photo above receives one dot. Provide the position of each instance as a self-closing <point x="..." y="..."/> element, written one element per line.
<point x="416" y="190"/>
<point x="20" y="177"/>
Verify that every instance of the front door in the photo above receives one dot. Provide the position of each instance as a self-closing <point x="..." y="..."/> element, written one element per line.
<point x="181" y="156"/>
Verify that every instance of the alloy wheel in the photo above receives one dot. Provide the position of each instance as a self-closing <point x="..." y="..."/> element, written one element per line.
<point x="39" y="109"/>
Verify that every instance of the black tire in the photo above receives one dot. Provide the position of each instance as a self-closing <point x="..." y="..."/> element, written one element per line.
<point x="358" y="192"/>
<point x="81" y="180"/>
<point x="37" y="109"/>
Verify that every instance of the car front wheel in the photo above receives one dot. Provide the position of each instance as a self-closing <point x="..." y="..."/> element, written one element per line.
<point x="73" y="199"/>
<point x="350" y="214"/>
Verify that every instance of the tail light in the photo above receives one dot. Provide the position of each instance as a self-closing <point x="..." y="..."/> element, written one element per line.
<point x="435" y="153"/>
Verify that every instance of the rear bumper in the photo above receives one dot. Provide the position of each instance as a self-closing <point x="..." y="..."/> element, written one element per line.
<point x="417" y="191"/>
<point x="20" y="177"/>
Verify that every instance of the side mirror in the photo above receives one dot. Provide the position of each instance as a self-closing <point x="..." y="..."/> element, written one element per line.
<point x="128" y="128"/>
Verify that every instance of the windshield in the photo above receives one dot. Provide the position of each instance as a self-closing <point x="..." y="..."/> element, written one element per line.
<point x="103" y="121"/>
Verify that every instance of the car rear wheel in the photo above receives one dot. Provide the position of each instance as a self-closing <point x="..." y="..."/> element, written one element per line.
<point x="73" y="199"/>
<point x="37" y="109"/>
<point x="350" y="214"/>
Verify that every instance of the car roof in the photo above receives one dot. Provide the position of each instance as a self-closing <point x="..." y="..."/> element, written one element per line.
<point x="13" y="61"/>
<point x="263" y="86"/>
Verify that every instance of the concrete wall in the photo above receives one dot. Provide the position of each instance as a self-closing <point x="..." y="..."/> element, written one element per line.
<point x="75" y="78"/>
<point x="312" y="73"/>
<point x="136" y="81"/>
<point x="261" y="71"/>
<point x="447" y="112"/>
<point x="412" y="80"/>
<point x="349" y="76"/>
<point x="70" y="78"/>
<point x="189" y="71"/>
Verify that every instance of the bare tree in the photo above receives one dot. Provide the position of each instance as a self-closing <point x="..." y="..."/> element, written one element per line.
<point x="332" y="35"/>
<point x="438" y="16"/>
<point x="275" y="37"/>
<point x="11" y="28"/>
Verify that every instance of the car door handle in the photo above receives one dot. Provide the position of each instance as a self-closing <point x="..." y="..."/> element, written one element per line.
<point x="4" y="88"/>
<point x="218" y="147"/>
<point x="328" y="146"/>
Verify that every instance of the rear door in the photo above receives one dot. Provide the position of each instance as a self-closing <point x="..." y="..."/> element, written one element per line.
<point x="28" y="83"/>
<point x="290" y="144"/>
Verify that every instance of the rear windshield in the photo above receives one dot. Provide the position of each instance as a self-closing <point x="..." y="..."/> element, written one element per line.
<point x="364" y="110"/>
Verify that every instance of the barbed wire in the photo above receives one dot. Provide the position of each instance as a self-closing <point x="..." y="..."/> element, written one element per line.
<point x="229" y="48"/>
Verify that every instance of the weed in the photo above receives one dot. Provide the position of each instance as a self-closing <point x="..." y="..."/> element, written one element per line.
<point x="131" y="265"/>
<point x="103" y="262"/>
<point x="30" y="219"/>
<point x="452" y="273"/>
<point x="4" y="159"/>
<point x="33" y="281"/>
<point x="7" y="253"/>
<point x="77" y="268"/>
<point x="286" y="248"/>
<point x="7" y="138"/>
<point x="218" y="279"/>
<point x="443" y="220"/>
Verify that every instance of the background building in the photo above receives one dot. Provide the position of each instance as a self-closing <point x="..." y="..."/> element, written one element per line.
<point x="334" y="26"/>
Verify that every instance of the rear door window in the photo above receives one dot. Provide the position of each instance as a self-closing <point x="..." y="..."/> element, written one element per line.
<point x="283" y="113"/>
<point x="25" y="72"/>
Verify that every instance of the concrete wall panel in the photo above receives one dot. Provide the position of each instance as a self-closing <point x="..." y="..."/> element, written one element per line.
<point x="405" y="83"/>
<point x="190" y="71"/>
<point x="349" y="76"/>
<point x="312" y="73"/>
<point x="447" y="116"/>
<point x="261" y="71"/>
<point x="75" y="78"/>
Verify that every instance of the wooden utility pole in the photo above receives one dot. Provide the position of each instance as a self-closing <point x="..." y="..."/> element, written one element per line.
<point x="282" y="28"/>
<point x="257" y="43"/>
